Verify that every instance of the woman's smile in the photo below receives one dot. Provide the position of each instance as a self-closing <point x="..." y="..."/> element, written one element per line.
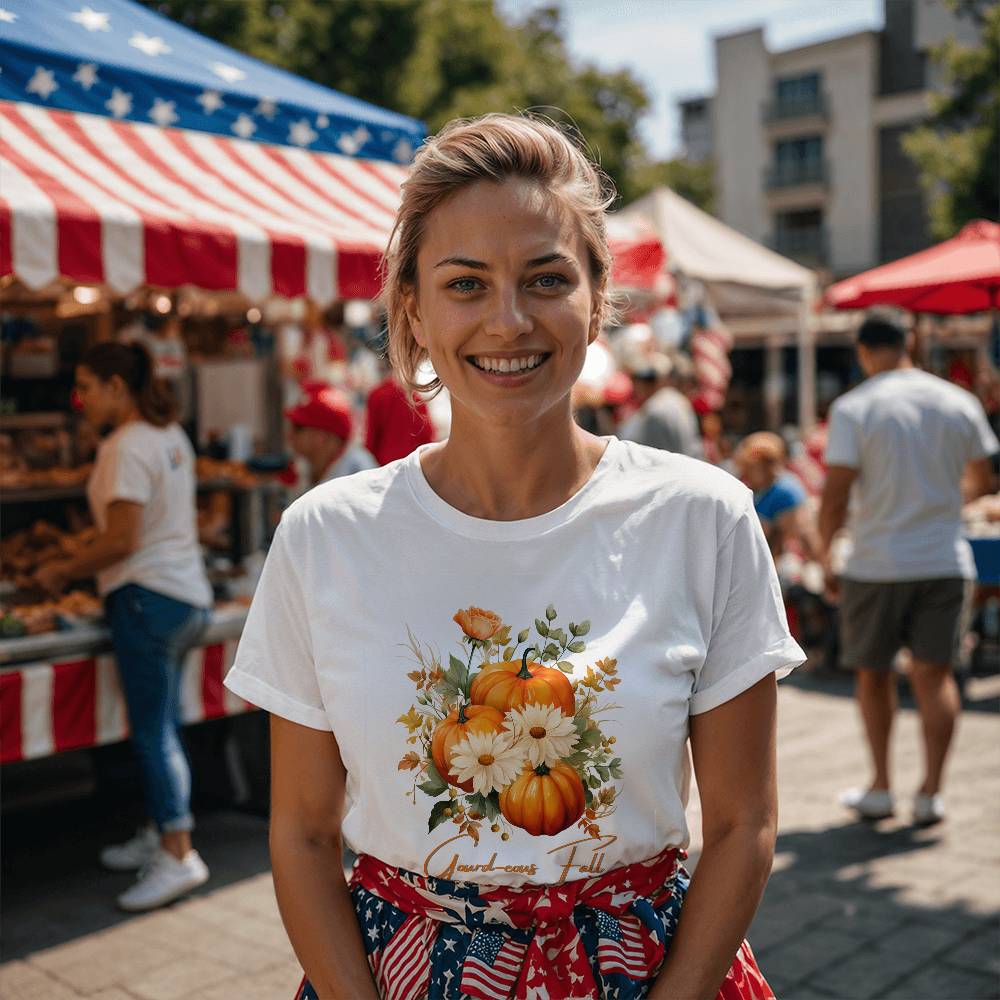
<point x="507" y="370"/>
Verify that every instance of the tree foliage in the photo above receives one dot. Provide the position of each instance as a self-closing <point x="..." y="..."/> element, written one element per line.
<point x="694" y="181"/>
<point x="435" y="60"/>
<point x="958" y="148"/>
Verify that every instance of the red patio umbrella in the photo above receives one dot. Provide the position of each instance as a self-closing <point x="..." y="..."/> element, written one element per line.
<point x="961" y="275"/>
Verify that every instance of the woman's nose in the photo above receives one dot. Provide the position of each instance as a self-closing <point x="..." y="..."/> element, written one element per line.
<point x="509" y="317"/>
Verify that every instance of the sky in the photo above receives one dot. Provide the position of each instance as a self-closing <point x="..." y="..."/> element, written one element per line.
<point x="668" y="43"/>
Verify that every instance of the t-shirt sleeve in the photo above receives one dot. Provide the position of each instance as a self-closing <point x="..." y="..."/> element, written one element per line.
<point x="749" y="637"/>
<point x="984" y="441"/>
<point x="843" y="444"/>
<point x="134" y="475"/>
<point x="274" y="667"/>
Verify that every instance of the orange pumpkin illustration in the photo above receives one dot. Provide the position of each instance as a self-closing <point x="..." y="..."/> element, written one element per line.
<point x="452" y="730"/>
<point x="544" y="800"/>
<point x="509" y="685"/>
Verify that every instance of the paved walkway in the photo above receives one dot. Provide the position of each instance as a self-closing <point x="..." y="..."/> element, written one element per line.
<point x="853" y="910"/>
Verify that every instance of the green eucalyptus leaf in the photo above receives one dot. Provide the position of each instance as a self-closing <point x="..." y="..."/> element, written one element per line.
<point x="578" y="646"/>
<point x="603" y="772"/>
<point x="541" y="628"/>
<point x="583" y="628"/>
<point x="488" y="806"/>
<point x="616" y="772"/>
<point x="508" y="653"/>
<point x="437" y="814"/>
<point x="594" y="781"/>
<point x="522" y="636"/>
<point x="565" y="666"/>
<point x="550" y="613"/>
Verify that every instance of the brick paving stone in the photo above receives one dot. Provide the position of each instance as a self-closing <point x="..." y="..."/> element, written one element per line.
<point x="941" y="983"/>
<point x="277" y="984"/>
<point x="793" y="961"/>
<point x="979" y="952"/>
<point x="100" y="961"/>
<point x="180" y="980"/>
<point x="865" y="974"/>
<point x="21" y="981"/>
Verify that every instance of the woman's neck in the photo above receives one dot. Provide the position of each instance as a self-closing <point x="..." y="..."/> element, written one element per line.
<point x="511" y="473"/>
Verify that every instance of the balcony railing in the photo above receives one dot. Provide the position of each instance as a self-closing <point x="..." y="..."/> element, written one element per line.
<point x="785" y="108"/>
<point x="809" y="245"/>
<point x="794" y="173"/>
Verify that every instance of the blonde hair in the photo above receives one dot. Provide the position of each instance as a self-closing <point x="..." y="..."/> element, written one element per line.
<point x="494" y="147"/>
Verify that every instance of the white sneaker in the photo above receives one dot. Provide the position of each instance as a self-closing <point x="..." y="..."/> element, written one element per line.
<point x="163" y="880"/>
<point x="873" y="804"/>
<point x="928" y="809"/>
<point x="134" y="853"/>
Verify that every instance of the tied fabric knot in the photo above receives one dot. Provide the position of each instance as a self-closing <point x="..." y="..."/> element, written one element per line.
<point x="525" y="941"/>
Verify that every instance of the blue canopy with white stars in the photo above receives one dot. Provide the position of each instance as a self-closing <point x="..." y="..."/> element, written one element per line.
<point x="117" y="59"/>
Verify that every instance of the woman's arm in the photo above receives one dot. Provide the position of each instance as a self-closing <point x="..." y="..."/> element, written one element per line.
<point x="733" y="748"/>
<point x="117" y="542"/>
<point x="307" y="800"/>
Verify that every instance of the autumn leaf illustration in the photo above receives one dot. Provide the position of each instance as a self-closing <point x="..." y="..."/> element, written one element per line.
<point x="409" y="762"/>
<point x="413" y="720"/>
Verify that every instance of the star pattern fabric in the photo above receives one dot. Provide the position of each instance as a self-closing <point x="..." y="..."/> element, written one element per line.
<point x="129" y="62"/>
<point x="602" y="937"/>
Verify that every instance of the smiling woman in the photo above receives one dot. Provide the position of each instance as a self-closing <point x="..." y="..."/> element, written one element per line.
<point x="502" y="852"/>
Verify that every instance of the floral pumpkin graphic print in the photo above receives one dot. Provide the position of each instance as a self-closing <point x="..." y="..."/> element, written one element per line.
<point x="509" y="733"/>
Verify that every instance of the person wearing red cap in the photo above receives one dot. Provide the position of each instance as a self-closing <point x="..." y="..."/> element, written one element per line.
<point x="321" y="433"/>
<point x="394" y="427"/>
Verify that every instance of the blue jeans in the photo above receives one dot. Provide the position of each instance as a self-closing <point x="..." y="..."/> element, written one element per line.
<point x="151" y="634"/>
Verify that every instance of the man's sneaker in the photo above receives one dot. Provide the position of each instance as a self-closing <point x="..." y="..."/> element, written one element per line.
<point x="163" y="880"/>
<point x="134" y="853"/>
<point x="928" y="809"/>
<point x="873" y="804"/>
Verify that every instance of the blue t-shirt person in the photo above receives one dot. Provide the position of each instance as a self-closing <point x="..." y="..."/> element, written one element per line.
<point x="785" y="493"/>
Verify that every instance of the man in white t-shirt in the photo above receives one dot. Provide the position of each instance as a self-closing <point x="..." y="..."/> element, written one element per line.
<point x="902" y="440"/>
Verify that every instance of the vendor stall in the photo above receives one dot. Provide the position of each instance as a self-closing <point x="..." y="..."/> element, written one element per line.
<point x="757" y="293"/>
<point x="271" y="201"/>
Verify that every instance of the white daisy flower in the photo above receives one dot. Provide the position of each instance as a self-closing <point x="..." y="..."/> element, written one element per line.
<point x="489" y="760"/>
<point x="544" y="733"/>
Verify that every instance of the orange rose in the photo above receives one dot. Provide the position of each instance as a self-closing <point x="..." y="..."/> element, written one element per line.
<point x="478" y="624"/>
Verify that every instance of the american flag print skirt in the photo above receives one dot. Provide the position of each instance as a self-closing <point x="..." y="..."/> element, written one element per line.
<point x="604" y="937"/>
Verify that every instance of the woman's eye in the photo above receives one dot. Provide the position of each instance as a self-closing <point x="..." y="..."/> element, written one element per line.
<point x="464" y="285"/>
<point x="550" y="280"/>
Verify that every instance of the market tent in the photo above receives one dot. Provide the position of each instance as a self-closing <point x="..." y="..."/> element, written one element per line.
<point x="741" y="279"/>
<point x="961" y="275"/>
<point x="95" y="200"/>
<point x="640" y="261"/>
<point x="741" y="276"/>
<point x="124" y="61"/>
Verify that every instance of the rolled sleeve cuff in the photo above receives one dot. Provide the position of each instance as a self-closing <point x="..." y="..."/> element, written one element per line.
<point x="255" y="691"/>
<point x="781" y="659"/>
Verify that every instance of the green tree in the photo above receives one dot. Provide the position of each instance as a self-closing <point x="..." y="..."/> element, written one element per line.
<point x="435" y="60"/>
<point x="694" y="181"/>
<point x="958" y="148"/>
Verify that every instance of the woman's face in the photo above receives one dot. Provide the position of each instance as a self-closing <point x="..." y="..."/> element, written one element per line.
<point x="504" y="302"/>
<point x="99" y="400"/>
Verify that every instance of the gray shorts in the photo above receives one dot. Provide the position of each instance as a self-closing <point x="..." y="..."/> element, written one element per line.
<point x="929" y="617"/>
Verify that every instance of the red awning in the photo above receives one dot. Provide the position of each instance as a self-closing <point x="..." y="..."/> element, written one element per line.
<point x="961" y="275"/>
<point x="100" y="201"/>
<point x="95" y="200"/>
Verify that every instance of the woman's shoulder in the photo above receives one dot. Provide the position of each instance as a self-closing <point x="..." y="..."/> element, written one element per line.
<point x="678" y="483"/>
<point x="357" y="498"/>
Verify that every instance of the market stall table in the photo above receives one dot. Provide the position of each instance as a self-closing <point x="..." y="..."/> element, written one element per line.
<point x="60" y="690"/>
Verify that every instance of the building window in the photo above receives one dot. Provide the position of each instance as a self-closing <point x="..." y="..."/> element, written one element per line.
<point x="797" y="89"/>
<point x="797" y="161"/>
<point x="903" y="224"/>
<point x="800" y="235"/>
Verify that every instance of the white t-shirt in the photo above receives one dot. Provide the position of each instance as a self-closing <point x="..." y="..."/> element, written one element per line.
<point x="910" y="434"/>
<point x="656" y="590"/>
<point x="152" y="466"/>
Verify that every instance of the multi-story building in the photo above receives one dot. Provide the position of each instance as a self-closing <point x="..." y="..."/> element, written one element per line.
<point x="807" y="141"/>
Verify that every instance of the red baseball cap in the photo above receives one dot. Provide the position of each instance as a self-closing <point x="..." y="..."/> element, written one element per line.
<point x="326" y="409"/>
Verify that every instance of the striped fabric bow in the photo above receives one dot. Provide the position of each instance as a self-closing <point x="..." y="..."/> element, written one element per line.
<point x="524" y="941"/>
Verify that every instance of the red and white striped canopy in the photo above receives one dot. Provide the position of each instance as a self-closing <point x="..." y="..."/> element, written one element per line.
<point x="100" y="201"/>
<point x="123" y="204"/>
